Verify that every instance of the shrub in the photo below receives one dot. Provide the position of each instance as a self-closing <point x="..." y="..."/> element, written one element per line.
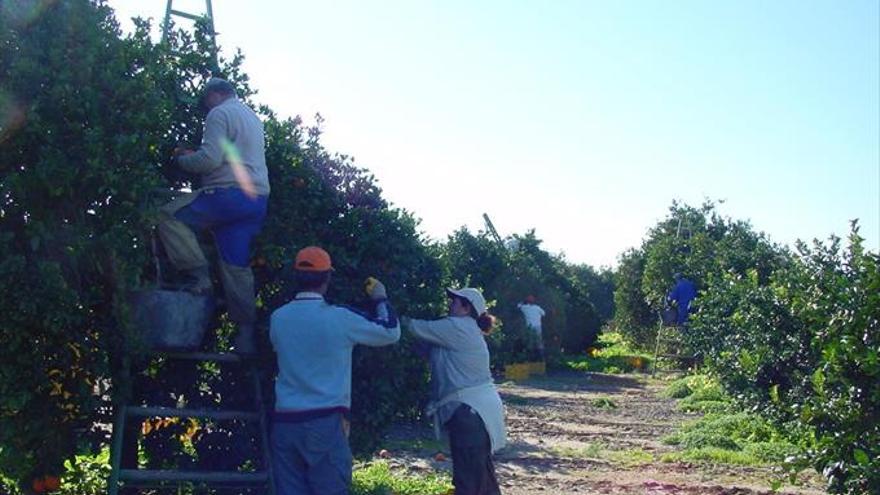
<point x="76" y="161"/>
<point x="802" y="347"/>
<point x="695" y="241"/>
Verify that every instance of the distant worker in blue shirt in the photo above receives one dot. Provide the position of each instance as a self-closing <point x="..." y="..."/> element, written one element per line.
<point x="683" y="293"/>
<point x="314" y="341"/>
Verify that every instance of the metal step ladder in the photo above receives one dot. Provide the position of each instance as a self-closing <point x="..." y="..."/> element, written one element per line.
<point x="143" y="478"/>
<point x="667" y="332"/>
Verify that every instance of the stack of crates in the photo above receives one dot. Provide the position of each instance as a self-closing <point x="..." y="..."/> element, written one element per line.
<point x="517" y="371"/>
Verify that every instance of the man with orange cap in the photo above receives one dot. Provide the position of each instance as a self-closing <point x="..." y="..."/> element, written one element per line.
<point x="314" y="341"/>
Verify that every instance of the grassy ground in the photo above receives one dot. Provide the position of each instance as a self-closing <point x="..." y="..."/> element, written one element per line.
<point x="587" y="426"/>
<point x="723" y="434"/>
<point x="378" y="478"/>
<point x="88" y="474"/>
<point x="610" y="355"/>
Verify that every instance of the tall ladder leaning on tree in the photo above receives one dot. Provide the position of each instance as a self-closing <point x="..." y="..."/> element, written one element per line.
<point x="127" y="415"/>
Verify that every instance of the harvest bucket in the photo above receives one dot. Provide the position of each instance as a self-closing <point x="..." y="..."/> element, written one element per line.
<point x="171" y="320"/>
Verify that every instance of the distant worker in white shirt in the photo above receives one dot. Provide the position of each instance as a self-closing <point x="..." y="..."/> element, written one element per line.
<point x="533" y="315"/>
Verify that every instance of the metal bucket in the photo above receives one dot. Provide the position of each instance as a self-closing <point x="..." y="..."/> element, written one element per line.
<point x="171" y="320"/>
<point x="670" y="317"/>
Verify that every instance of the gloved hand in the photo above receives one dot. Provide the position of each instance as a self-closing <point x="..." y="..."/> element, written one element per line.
<point x="375" y="289"/>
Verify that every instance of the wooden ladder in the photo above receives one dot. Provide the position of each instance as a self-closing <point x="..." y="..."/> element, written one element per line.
<point x="140" y="478"/>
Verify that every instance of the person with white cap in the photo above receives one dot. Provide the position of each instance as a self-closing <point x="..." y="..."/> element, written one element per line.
<point x="465" y="402"/>
<point x="313" y="341"/>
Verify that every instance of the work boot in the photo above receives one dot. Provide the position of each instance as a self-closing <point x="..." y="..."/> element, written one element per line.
<point x="199" y="281"/>
<point x="244" y="344"/>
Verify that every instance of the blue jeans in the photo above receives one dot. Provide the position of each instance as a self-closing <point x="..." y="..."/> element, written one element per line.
<point x="311" y="457"/>
<point x="233" y="218"/>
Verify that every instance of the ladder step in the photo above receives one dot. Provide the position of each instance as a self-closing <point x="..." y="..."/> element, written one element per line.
<point x="177" y="412"/>
<point x="221" y="357"/>
<point x="159" y="475"/>
<point x="185" y="15"/>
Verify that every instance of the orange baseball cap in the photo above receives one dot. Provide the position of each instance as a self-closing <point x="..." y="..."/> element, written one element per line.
<point x="312" y="259"/>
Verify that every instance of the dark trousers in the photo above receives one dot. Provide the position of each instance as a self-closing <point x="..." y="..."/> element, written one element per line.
<point x="472" y="470"/>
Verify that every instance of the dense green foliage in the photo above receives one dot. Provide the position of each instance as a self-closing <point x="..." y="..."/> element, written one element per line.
<point x="724" y="434"/>
<point x="804" y="346"/>
<point x="697" y="242"/>
<point x="78" y="145"/>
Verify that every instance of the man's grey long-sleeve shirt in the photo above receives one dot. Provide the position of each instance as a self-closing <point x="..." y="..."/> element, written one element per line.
<point x="233" y="134"/>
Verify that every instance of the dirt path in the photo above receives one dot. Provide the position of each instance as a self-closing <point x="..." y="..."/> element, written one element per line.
<point x="593" y="433"/>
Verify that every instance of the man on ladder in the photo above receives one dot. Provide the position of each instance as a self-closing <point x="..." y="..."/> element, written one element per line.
<point x="682" y="294"/>
<point x="230" y="203"/>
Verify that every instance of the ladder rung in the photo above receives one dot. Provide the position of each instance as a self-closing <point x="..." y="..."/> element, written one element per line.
<point x="224" y="357"/>
<point x="185" y="15"/>
<point x="159" y="475"/>
<point x="178" y="412"/>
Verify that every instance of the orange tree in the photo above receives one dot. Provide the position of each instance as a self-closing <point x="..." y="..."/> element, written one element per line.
<point x="695" y="241"/>
<point x="599" y="284"/>
<point x="81" y="125"/>
<point x="803" y="347"/>
<point x="87" y="120"/>
<point x="793" y="334"/>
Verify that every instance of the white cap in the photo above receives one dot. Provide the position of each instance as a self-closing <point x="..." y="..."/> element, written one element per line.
<point x="473" y="296"/>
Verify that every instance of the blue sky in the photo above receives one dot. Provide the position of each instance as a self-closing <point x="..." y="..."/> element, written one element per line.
<point x="583" y="120"/>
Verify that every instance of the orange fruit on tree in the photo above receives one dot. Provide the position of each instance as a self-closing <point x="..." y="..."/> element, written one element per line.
<point x="38" y="485"/>
<point x="52" y="483"/>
